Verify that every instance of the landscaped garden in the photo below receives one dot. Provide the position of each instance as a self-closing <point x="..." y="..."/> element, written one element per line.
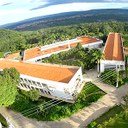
<point x="78" y="56"/>
<point x="115" y="76"/>
<point x="117" y="117"/>
<point x="23" y="102"/>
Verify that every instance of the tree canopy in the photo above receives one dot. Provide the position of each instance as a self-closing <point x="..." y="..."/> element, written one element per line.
<point x="14" y="41"/>
<point x="9" y="79"/>
<point x="31" y="94"/>
<point x="78" y="56"/>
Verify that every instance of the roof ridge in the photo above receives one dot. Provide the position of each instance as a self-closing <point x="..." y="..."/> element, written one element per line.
<point x="115" y="46"/>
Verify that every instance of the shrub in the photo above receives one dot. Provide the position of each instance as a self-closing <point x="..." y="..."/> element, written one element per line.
<point x="109" y="80"/>
<point x="3" y="121"/>
<point x="76" y="56"/>
<point x="61" y="110"/>
<point x="32" y="94"/>
<point x="92" y="124"/>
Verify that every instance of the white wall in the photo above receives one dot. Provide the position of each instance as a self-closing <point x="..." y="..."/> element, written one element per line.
<point x="50" y="88"/>
<point x="106" y="64"/>
<point x="90" y="45"/>
<point x="46" y="55"/>
<point x="93" y="45"/>
<point x="59" y="44"/>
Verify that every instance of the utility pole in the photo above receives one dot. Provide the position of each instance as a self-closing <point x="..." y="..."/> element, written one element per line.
<point x="117" y="78"/>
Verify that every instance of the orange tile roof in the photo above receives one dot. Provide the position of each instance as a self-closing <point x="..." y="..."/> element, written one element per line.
<point x="113" y="48"/>
<point x="43" y="71"/>
<point x="35" y="52"/>
<point x="88" y="40"/>
<point x="11" y="56"/>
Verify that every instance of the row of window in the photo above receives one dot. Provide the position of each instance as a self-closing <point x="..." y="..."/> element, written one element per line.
<point x="31" y="87"/>
<point x="30" y="82"/>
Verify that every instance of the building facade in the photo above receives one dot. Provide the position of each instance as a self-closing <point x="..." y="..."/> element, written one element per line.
<point x="53" y="81"/>
<point x="113" y="53"/>
<point x="38" y="53"/>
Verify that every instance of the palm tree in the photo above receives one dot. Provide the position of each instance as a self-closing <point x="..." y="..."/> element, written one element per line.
<point x="98" y="55"/>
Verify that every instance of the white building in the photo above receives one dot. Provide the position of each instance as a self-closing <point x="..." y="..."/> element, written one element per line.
<point x="38" y="53"/>
<point x="113" y="53"/>
<point x="53" y="81"/>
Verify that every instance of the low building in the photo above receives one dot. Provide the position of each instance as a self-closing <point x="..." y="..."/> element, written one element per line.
<point x="38" y="53"/>
<point x="113" y="53"/>
<point x="53" y="81"/>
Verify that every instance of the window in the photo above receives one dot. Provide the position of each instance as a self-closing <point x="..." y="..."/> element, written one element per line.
<point x="21" y="79"/>
<point x="20" y="84"/>
<point x="42" y="90"/>
<point x="32" y="87"/>
<point x="46" y="92"/>
<point x="38" y="84"/>
<point x="28" y="87"/>
<point x="49" y="93"/>
<point x="29" y="81"/>
<point x="34" y="82"/>
<point x="25" y="80"/>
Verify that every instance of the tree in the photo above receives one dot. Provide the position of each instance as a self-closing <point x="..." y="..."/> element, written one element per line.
<point x="126" y="65"/>
<point x="9" y="79"/>
<point x="13" y="73"/>
<point x="125" y="98"/>
<point x="125" y="107"/>
<point x="98" y="55"/>
<point x="32" y="94"/>
<point x="79" y="46"/>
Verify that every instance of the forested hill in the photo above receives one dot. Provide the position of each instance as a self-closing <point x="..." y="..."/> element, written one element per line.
<point x="14" y="41"/>
<point x="10" y="40"/>
<point x="70" y="18"/>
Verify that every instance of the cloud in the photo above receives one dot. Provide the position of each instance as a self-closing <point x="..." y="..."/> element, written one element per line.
<point x="2" y="2"/>
<point x="58" y="2"/>
<point x="6" y="4"/>
<point x="18" y="11"/>
<point x="118" y="1"/>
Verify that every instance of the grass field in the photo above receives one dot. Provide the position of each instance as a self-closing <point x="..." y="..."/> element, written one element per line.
<point x="89" y="94"/>
<point x="114" y="118"/>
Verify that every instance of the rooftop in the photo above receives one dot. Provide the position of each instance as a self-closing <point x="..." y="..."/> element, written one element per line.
<point x="40" y="51"/>
<point x="113" y="49"/>
<point x="11" y="56"/>
<point x="44" y="71"/>
<point x="35" y="52"/>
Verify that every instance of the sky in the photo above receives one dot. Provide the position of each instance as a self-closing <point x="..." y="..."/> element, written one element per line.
<point x="16" y="10"/>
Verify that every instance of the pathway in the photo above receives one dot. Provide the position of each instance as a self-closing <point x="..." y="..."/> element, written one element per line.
<point x="78" y="120"/>
<point x="91" y="75"/>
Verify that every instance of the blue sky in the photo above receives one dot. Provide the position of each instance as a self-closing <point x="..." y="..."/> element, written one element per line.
<point x="15" y="10"/>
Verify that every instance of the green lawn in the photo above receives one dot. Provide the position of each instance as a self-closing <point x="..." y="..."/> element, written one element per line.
<point x="1" y="54"/>
<point x="110" y="113"/>
<point x="89" y="94"/>
<point x="114" y="118"/>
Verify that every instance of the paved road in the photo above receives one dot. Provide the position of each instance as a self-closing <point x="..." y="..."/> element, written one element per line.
<point x="78" y="120"/>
